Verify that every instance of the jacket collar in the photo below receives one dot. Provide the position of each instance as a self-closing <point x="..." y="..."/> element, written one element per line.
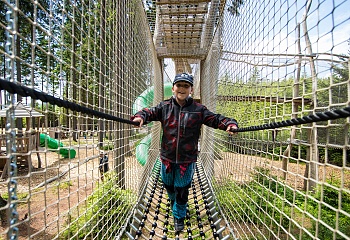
<point x="189" y="101"/>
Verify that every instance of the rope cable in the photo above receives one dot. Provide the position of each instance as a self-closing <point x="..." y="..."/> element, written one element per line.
<point x="24" y="91"/>
<point x="317" y="117"/>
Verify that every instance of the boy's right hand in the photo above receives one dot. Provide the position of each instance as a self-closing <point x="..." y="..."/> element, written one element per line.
<point x="138" y="119"/>
<point x="231" y="127"/>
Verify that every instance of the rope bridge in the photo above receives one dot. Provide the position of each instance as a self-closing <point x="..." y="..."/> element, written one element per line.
<point x="73" y="73"/>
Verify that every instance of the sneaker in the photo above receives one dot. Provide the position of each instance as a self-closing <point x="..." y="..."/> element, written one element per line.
<point x="179" y="224"/>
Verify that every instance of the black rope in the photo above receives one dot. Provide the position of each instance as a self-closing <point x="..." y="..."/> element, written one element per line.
<point x="24" y="91"/>
<point x="317" y="117"/>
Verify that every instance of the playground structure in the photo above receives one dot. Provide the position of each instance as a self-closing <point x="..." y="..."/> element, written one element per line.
<point x="24" y="145"/>
<point x="56" y="144"/>
<point x="28" y="141"/>
<point x="88" y="66"/>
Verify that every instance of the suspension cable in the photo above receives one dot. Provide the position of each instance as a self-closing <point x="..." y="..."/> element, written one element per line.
<point x="24" y="91"/>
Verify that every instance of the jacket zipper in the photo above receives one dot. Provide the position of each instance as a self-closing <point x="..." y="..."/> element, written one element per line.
<point x="185" y="122"/>
<point x="178" y="134"/>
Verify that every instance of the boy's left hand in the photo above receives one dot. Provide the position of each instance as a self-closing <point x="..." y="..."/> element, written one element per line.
<point x="232" y="126"/>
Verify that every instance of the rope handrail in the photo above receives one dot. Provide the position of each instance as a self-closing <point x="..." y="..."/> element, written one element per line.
<point x="24" y="91"/>
<point x="317" y="117"/>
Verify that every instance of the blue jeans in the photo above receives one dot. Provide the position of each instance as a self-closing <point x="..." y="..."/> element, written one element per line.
<point x="178" y="186"/>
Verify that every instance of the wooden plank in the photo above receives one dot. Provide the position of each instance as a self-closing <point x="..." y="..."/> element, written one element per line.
<point x="263" y="99"/>
<point x="170" y="2"/>
<point x="178" y="5"/>
<point x="176" y="36"/>
<point x="197" y="54"/>
<point x="171" y="45"/>
<point x="184" y="12"/>
<point x="183" y="28"/>
<point x="182" y="21"/>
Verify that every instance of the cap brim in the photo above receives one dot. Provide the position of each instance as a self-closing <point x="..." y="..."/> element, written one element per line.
<point x="182" y="80"/>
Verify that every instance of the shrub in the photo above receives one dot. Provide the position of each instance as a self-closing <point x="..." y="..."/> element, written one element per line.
<point x="267" y="200"/>
<point x="105" y="209"/>
<point x="329" y="195"/>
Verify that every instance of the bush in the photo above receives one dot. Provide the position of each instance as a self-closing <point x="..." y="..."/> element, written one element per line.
<point x="329" y="195"/>
<point x="266" y="199"/>
<point x="105" y="209"/>
<point x="334" y="156"/>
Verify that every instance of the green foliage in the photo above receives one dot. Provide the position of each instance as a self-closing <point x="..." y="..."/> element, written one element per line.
<point x="266" y="199"/>
<point x="139" y="137"/>
<point x="234" y="7"/>
<point x="254" y="109"/>
<point x="20" y="196"/>
<point x="65" y="185"/>
<point x="106" y="208"/>
<point x="326" y="200"/>
<point x="334" y="155"/>
<point x="24" y="26"/>
<point x="252" y="106"/>
<point x="107" y="146"/>
<point x="151" y="14"/>
<point x="341" y="71"/>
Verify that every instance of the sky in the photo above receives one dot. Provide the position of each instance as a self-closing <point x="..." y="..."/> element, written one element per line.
<point x="269" y="27"/>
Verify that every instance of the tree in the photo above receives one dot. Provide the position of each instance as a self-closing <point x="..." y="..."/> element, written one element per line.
<point x="151" y="14"/>
<point x="26" y="40"/>
<point x="234" y="7"/>
<point x="341" y="71"/>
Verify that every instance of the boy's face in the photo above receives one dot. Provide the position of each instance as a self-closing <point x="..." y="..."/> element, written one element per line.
<point x="182" y="90"/>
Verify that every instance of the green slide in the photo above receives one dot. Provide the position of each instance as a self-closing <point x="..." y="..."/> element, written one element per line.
<point x="142" y="101"/>
<point x="55" y="144"/>
<point x="142" y="149"/>
<point x="146" y="98"/>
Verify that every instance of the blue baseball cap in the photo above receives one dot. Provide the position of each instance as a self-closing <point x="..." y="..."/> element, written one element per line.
<point x="183" y="77"/>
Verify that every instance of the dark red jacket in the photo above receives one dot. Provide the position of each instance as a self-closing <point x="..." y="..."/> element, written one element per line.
<point x="181" y="127"/>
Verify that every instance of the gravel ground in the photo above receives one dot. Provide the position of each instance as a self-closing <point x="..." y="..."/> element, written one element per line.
<point x="239" y="168"/>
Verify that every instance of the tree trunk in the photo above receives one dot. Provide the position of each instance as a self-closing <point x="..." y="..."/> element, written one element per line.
<point x="3" y="212"/>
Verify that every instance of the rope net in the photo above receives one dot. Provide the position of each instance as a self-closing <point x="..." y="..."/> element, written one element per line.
<point x="73" y="73"/>
<point x="280" y="61"/>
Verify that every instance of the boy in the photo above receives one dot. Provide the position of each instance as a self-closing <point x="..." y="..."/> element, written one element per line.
<point x="181" y="118"/>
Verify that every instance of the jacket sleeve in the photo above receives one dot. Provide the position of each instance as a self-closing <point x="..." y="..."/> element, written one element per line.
<point x="149" y="114"/>
<point x="217" y="120"/>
